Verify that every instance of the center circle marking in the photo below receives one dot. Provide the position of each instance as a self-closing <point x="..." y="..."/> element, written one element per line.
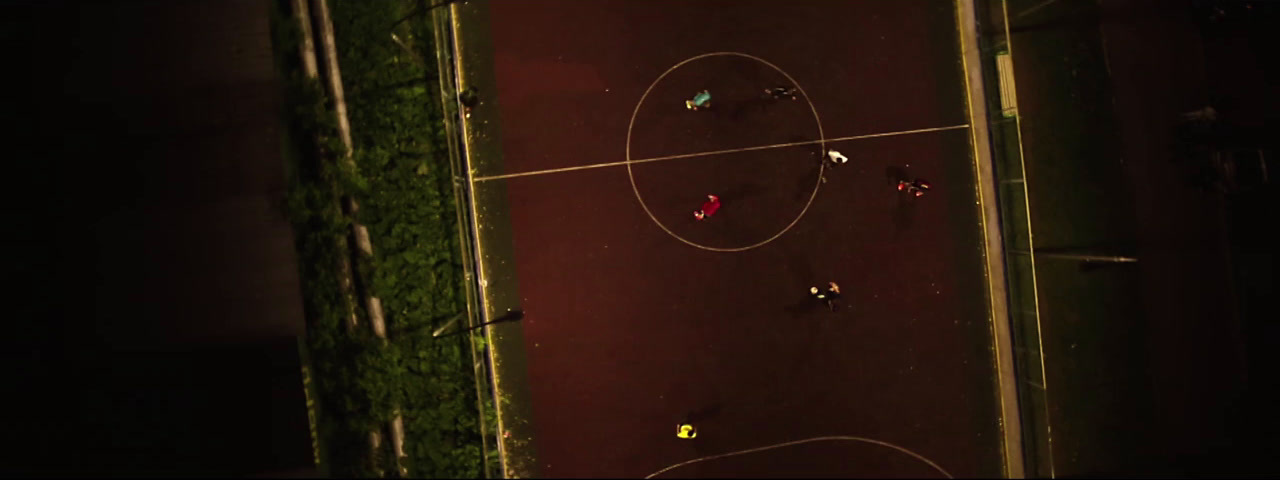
<point x="846" y="438"/>
<point x="822" y="142"/>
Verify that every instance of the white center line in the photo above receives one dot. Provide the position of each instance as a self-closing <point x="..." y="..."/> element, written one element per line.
<point x="718" y="152"/>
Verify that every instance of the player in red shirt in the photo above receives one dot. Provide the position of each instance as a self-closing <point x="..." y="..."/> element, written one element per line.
<point x="709" y="208"/>
<point x="915" y="187"/>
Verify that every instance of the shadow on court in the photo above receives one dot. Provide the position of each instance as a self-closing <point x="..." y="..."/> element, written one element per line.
<point x="904" y="209"/>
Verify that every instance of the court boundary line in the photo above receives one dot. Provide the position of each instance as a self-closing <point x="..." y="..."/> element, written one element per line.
<point x="993" y="243"/>
<point x="1031" y="248"/>
<point x="495" y="380"/>
<point x="717" y="152"/>
<point x="850" y="438"/>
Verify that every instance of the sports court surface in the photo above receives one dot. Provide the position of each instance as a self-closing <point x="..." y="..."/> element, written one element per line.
<point x="586" y="170"/>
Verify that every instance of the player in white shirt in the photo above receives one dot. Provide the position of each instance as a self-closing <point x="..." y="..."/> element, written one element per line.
<point x="837" y="158"/>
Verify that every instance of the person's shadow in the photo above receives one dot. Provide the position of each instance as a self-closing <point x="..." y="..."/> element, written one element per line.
<point x="804" y="307"/>
<point x="741" y="191"/>
<point x="895" y="174"/>
<point x="805" y="182"/>
<point x="699" y="417"/>
<point x="904" y="213"/>
<point x="744" y="107"/>
<point x="904" y="210"/>
<point x="703" y="414"/>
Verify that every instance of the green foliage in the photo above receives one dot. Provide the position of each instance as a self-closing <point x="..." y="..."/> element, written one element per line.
<point x="402" y="179"/>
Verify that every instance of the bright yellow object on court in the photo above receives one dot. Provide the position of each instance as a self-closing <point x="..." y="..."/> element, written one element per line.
<point x="686" y="431"/>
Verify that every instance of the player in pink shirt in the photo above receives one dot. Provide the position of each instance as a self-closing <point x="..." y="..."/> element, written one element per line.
<point x="709" y="208"/>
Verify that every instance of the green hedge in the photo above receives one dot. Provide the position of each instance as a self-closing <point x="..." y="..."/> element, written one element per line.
<point x="402" y="181"/>
<point x="404" y="186"/>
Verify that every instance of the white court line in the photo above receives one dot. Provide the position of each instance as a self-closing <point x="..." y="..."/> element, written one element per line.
<point x="496" y="380"/>
<point x="817" y="182"/>
<point x="1011" y="425"/>
<point x="717" y="152"/>
<point x="1035" y="8"/>
<point x="1031" y="247"/>
<point x="850" y="438"/>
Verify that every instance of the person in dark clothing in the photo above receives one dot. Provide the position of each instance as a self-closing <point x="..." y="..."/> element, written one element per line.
<point x="469" y="97"/>
<point x="778" y="93"/>
<point x="828" y="295"/>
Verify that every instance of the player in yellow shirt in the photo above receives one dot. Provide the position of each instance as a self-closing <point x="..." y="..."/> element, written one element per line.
<point x="686" y="431"/>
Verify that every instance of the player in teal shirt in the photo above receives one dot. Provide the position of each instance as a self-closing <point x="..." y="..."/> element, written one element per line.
<point x="700" y="100"/>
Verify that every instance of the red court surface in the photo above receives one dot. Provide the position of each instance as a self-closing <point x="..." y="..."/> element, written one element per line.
<point x="636" y="320"/>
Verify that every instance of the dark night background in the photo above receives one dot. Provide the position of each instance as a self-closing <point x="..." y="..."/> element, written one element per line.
<point x="155" y="305"/>
<point x="152" y="265"/>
